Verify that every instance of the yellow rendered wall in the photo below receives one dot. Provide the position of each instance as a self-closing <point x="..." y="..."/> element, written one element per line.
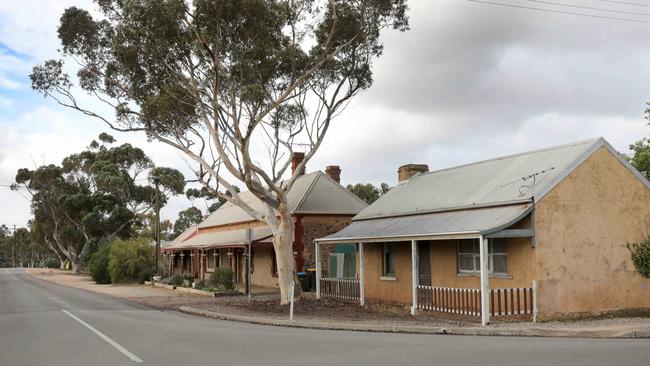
<point x="583" y="226"/>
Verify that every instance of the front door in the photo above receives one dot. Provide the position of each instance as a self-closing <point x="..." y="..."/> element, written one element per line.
<point x="424" y="253"/>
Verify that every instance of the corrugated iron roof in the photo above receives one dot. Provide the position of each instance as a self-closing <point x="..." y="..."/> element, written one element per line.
<point x="509" y="179"/>
<point x="205" y="240"/>
<point x="188" y="233"/>
<point x="420" y="227"/>
<point x="311" y="193"/>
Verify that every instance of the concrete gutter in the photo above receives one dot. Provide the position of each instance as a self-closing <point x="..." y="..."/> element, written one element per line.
<point x="414" y="329"/>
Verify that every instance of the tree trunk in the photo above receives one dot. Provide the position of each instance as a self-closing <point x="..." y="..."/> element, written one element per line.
<point x="283" y="245"/>
<point x="62" y="266"/>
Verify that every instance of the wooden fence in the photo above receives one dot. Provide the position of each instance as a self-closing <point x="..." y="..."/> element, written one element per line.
<point x="467" y="301"/>
<point x="512" y="301"/>
<point x="339" y="288"/>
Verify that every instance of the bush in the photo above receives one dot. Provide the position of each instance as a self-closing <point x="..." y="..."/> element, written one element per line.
<point x="98" y="266"/>
<point x="188" y="276"/>
<point x="52" y="263"/>
<point x="199" y="284"/>
<point x="145" y="275"/>
<point x="641" y="257"/>
<point x="223" y="278"/>
<point x="176" y="280"/>
<point x="128" y="258"/>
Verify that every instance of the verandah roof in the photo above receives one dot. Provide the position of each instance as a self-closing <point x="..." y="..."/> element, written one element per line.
<point x="459" y="223"/>
<point x="221" y="239"/>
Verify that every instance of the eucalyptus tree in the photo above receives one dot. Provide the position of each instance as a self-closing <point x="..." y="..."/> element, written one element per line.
<point x="94" y="196"/>
<point x="234" y="85"/>
<point x="186" y="219"/>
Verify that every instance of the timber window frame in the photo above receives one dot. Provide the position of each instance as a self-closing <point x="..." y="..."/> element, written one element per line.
<point x="468" y="257"/>
<point x="388" y="254"/>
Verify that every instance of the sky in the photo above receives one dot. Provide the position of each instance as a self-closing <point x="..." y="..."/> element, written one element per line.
<point x="469" y="81"/>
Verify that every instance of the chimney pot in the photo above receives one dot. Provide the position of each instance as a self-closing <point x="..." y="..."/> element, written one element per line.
<point x="405" y="172"/>
<point x="334" y="172"/>
<point x="296" y="159"/>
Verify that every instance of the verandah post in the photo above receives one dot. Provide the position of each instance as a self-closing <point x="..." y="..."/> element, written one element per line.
<point x="414" y="275"/>
<point x="362" y="292"/>
<point x="485" y="281"/>
<point x="318" y="268"/>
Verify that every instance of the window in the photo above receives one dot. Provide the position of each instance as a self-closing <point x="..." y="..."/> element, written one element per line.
<point x="274" y="263"/>
<point x="388" y="260"/>
<point x="469" y="256"/>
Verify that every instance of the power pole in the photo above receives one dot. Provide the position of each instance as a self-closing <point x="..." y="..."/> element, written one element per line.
<point x="13" y="250"/>
<point x="157" y="225"/>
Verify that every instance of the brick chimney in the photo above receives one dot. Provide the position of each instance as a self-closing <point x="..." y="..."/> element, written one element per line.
<point x="296" y="159"/>
<point x="405" y="172"/>
<point x="334" y="172"/>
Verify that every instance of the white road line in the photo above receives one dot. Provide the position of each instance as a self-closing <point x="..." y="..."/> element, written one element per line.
<point x="101" y="335"/>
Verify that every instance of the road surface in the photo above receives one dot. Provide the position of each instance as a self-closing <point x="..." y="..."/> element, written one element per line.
<point x="47" y="324"/>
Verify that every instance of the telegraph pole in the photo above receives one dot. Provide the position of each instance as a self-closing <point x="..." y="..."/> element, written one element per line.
<point x="157" y="234"/>
<point x="13" y="250"/>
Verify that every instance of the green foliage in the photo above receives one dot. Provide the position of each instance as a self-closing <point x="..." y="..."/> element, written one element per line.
<point x="641" y="257"/>
<point x="368" y="192"/>
<point x="176" y="280"/>
<point x="188" y="276"/>
<point x="128" y="258"/>
<point x="199" y="284"/>
<point x="187" y="218"/>
<point x="145" y="274"/>
<point x="209" y="195"/>
<point x="641" y="156"/>
<point x="52" y="263"/>
<point x="93" y="197"/>
<point x="223" y="278"/>
<point x="98" y="265"/>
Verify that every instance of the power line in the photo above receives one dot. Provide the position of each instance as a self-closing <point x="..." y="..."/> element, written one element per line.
<point x="589" y="8"/>
<point x="558" y="11"/>
<point x="625" y="3"/>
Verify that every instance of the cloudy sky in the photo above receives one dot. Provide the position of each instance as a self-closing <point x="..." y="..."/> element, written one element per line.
<point x="469" y="81"/>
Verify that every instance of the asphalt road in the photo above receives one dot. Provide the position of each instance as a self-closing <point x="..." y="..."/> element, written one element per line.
<point x="47" y="324"/>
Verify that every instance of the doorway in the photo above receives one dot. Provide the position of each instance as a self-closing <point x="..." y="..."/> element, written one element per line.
<point x="424" y="263"/>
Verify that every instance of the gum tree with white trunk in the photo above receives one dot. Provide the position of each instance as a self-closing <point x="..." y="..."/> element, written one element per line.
<point x="236" y="86"/>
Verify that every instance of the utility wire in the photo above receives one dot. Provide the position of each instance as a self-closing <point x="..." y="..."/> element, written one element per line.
<point x="558" y="11"/>
<point x="589" y="8"/>
<point x="625" y="3"/>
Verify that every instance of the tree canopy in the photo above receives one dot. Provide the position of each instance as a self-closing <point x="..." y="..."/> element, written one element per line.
<point x="187" y="218"/>
<point x="234" y="85"/>
<point x="93" y="196"/>
<point x="368" y="192"/>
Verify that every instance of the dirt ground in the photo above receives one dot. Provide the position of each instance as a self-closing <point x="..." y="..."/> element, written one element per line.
<point x="268" y="306"/>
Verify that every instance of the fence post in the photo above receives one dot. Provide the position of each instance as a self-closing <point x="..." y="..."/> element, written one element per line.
<point x="318" y="269"/>
<point x="293" y="288"/>
<point x="534" y="301"/>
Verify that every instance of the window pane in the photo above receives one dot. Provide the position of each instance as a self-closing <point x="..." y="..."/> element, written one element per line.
<point x="391" y="264"/>
<point x="467" y="246"/>
<point x="500" y="263"/>
<point x="477" y="262"/>
<point x="498" y="246"/>
<point x="466" y="262"/>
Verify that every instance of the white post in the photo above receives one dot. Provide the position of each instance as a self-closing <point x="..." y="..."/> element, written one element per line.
<point x="534" y="301"/>
<point x="293" y="288"/>
<point x="414" y="275"/>
<point x="362" y="290"/>
<point x="485" y="281"/>
<point x="318" y="269"/>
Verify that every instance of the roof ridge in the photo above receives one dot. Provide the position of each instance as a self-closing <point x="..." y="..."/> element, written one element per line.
<point x="307" y="191"/>
<point x="582" y="142"/>
<point x="342" y="187"/>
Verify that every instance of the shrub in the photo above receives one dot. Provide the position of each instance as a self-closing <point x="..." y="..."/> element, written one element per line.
<point x="98" y="266"/>
<point x="127" y="259"/>
<point x="188" y="276"/>
<point x="52" y="263"/>
<point x="199" y="284"/>
<point x="145" y="274"/>
<point x="176" y="280"/>
<point x="223" y="278"/>
<point x="641" y="256"/>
